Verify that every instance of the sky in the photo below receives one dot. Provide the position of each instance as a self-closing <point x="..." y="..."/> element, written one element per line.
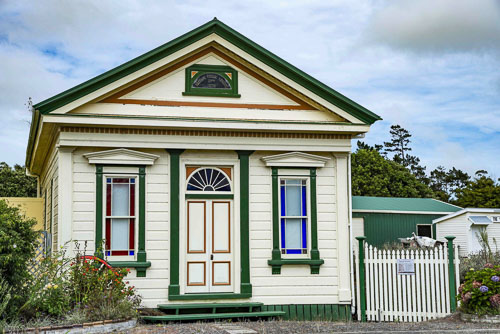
<point x="431" y="66"/>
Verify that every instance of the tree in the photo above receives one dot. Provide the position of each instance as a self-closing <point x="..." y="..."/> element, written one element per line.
<point x="15" y="183"/>
<point x="17" y="249"/>
<point x="372" y="175"/>
<point x="445" y="183"/>
<point x="399" y="144"/>
<point x="481" y="192"/>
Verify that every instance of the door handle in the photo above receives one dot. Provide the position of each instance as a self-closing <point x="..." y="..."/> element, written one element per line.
<point x="211" y="256"/>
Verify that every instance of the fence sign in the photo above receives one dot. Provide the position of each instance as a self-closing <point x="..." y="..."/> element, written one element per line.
<point x="406" y="266"/>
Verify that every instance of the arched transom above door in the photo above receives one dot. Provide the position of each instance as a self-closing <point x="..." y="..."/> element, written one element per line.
<point x="208" y="179"/>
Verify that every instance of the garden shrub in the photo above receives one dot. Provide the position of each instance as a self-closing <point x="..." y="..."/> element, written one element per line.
<point x="480" y="292"/>
<point x="17" y="249"/>
<point x="477" y="261"/>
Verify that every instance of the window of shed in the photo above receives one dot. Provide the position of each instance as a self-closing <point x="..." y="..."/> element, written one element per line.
<point x="424" y="231"/>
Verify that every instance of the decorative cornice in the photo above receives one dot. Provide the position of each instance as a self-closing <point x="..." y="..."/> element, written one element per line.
<point x="295" y="159"/>
<point x="121" y="156"/>
<point x="203" y="133"/>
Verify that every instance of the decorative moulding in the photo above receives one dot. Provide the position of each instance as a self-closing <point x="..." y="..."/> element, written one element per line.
<point x="295" y="159"/>
<point x="121" y="156"/>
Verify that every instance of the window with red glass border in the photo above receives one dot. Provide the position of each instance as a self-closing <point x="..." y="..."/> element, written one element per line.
<point x="131" y="215"/>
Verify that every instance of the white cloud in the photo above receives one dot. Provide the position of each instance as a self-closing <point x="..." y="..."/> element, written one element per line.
<point x="438" y="25"/>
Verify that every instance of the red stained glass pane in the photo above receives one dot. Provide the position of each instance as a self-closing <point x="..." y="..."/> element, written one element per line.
<point x="121" y="180"/>
<point x="108" y="233"/>
<point x="125" y="252"/>
<point x="132" y="199"/>
<point x="131" y="234"/>
<point x="108" y="200"/>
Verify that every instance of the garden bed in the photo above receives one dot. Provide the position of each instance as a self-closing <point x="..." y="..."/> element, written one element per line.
<point x="88" y="327"/>
<point x="489" y="319"/>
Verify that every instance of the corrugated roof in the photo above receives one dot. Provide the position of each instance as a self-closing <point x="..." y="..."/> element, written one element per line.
<point x="369" y="203"/>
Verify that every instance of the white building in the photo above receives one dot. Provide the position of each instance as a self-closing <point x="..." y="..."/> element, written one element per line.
<point x="466" y="226"/>
<point x="211" y="167"/>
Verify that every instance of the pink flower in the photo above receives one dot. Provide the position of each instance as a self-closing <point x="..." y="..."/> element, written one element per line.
<point x="476" y="284"/>
<point x="495" y="300"/>
<point x="489" y="265"/>
<point x="466" y="297"/>
<point x="460" y="288"/>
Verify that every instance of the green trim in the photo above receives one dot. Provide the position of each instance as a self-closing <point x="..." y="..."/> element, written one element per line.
<point x="204" y="316"/>
<point x="244" y="156"/>
<point x="98" y="210"/>
<point x="232" y="36"/>
<point x="276" y="261"/>
<point x="207" y="306"/>
<point x="362" y="278"/>
<point x="452" y="274"/>
<point x="206" y="296"/>
<point x="209" y="196"/>
<point x="218" y="69"/>
<point x="140" y="264"/>
<point x="312" y="312"/>
<point x="174" y="288"/>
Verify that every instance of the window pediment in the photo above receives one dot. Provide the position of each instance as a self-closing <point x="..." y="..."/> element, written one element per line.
<point x="295" y="159"/>
<point x="121" y="156"/>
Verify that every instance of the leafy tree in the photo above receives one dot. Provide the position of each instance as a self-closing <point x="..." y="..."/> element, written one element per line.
<point x="399" y="144"/>
<point x="481" y="192"/>
<point x="372" y="175"/>
<point x="15" y="183"/>
<point x="364" y="146"/>
<point x="446" y="183"/>
<point x="17" y="249"/>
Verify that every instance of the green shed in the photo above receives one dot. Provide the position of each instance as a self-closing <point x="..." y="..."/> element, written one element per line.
<point x="385" y="219"/>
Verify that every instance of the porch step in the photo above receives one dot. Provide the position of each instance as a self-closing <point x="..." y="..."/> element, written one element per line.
<point x="179" y="317"/>
<point x="214" y="307"/>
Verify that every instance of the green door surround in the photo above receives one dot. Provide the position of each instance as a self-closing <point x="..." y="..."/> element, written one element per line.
<point x="245" y="285"/>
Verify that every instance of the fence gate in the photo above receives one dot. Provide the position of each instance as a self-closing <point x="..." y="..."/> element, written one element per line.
<point x="406" y="285"/>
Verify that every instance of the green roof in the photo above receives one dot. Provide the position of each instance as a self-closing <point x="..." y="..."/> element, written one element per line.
<point x="369" y="203"/>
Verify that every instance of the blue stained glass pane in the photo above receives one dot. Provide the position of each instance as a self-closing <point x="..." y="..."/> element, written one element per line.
<point x="108" y="180"/>
<point x="108" y="253"/>
<point x="225" y="188"/>
<point x="132" y="180"/>
<point x="131" y="253"/>
<point x="209" y="175"/>
<point x="304" y="234"/>
<point x="190" y="187"/>
<point x="294" y="251"/>
<point x="282" y="233"/>
<point x="304" y="208"/>
<point x="283" y="200"/>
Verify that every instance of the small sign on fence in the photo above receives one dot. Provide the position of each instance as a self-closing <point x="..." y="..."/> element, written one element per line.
<point x="406" y="267"/>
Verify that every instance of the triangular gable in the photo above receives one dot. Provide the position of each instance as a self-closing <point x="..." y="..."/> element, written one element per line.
<point x="228" y="34"/>
<point x="121" y="156"/>
<point x="258" y="90"/>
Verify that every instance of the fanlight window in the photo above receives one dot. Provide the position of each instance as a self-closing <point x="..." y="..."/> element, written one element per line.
<point x="209" y="179"/>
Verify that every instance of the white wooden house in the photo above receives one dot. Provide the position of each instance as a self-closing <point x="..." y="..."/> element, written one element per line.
<point x="466" y="225"/>
<point x="212" y="168"/>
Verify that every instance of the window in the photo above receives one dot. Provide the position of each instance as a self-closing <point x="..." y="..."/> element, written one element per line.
<point x="293" y="216"/>
<point x="120" y="216"/>
<point x="209" y="179"/>
<point x="424" y="231"/>
<point x="495" y="219"/>
<point x="211" y="80"/>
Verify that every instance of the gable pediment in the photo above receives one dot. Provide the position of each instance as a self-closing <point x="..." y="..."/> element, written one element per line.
<point x="121" y="156"/>
<point x="295" y="159"/>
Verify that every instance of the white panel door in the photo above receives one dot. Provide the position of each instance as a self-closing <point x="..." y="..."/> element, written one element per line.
<point x="209" y="248"/>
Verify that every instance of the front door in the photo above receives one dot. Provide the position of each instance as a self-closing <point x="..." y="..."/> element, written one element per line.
<point x="209" y="246"/>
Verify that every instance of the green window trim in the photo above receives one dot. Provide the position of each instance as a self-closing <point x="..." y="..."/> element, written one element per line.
<point x="140" y="264"/>
<point x="208" y="296"/>
<point x="209" y="196"/>
<point x="276" y="261"/>
<point x="222" y="71"/>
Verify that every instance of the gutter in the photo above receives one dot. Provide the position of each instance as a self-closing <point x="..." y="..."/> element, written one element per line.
<point x="351" y="257"/>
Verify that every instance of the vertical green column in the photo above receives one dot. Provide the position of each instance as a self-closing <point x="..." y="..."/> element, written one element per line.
<point x="314" y="222"/>
<point x="141" y="253"/>
<point x="451" y="274"/>
<point x="173" y="288"/>
<point x="276" y="254"/>
<point x="244" y="156"/>
<point x="98" y="211"/>
<point x="362" y="278"/>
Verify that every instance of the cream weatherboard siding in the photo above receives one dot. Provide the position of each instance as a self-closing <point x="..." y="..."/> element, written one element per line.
<point x="307" y="288"/>
<point x="49" y="183"/>
<point x="457" y="227"/>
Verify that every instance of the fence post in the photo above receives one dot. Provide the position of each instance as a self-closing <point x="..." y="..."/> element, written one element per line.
<point x="362" y="280"/>
<point x="451" y="274"/>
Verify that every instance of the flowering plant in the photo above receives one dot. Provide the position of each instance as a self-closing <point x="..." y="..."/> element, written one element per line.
<point x="480" y="292"/>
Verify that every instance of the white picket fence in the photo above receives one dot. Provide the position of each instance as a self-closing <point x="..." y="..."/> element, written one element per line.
<point x="421" y="296"/>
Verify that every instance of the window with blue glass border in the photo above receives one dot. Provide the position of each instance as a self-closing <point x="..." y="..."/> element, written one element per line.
<point x="293" y="216"/>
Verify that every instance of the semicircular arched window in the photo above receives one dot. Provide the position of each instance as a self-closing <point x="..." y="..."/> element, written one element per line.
<point x="209" y="179"/>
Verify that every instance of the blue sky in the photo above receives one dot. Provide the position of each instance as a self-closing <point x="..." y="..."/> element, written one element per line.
<point x="431" y="66"/>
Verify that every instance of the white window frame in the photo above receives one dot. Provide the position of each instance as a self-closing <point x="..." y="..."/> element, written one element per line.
<point x="136" y="216"/>
<point x="307" y="217"/>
